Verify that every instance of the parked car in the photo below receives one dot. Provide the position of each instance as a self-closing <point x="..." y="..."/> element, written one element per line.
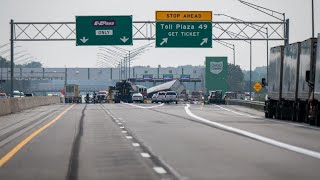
<point x="137" y="97"/>
<point x="154" y="98"/>
<point x="171" y="96"/>
<point x="161" y="96"/>
<point x="215" y="97"/>
<point x="3" y="95"/>
<point x="17" y="94"/>
<point x="28" y="95"/>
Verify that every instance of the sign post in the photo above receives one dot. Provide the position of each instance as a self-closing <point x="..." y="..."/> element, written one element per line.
<point x="103" y="30"/>
<point x="190" y="29"/>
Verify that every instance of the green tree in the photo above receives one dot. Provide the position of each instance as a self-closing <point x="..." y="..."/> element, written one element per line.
<point x="32" y="64"/>
<point x="235" y="78"/>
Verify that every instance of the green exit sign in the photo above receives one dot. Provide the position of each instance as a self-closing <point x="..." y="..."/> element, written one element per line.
<point x="184" y="34"/>
<point x="103" y="30"/>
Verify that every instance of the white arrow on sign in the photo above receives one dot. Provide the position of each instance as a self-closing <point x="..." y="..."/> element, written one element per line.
<point x="164" y="40"/>
<point x="204" y="40"/>
<point x="124" y="39"/>
<point x="84" y="40"/>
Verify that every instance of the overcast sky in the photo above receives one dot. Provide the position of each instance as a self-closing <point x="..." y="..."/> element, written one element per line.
<point x="60" y="54"/>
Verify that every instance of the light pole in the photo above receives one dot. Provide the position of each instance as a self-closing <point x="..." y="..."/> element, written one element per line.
<point x="230" y="46"/>
<point x="312" y="3"/>
<point x="250" y="42"/>
<point x="127" y="56"/>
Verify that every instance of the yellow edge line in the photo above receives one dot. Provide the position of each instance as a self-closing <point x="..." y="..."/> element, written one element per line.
<point x="11" y="153"/>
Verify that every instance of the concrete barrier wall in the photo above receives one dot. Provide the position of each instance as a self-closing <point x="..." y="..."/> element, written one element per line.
<point x="13" y="105"/>
<point x="250" y="104"/>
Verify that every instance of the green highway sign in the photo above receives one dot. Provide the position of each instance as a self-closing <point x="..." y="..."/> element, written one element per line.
<point x="103" y="30"/>
<point x="184" y="34"/>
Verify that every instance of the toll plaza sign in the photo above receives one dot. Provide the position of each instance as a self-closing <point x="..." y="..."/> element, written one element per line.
<point x="191" y="29"/>
<point x="103" y="30"/>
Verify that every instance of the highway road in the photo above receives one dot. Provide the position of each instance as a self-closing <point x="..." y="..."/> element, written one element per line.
<point x="155" y="141"/>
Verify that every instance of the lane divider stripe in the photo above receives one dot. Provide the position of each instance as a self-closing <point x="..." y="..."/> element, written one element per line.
<point x="17" y="148"/>
<point x="150" y="107"/>
<point x="289" y="147"/>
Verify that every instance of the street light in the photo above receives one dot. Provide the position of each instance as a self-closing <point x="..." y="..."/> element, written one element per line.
<point x="312" y="4"/>
<point x="259" y="30"/>
<point x="230" y="46"/>
<point x="127" y="56"/>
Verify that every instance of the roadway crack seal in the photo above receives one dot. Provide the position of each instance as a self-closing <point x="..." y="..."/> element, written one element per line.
<point x="155" y="160"/>
<point x="74" y="156"/>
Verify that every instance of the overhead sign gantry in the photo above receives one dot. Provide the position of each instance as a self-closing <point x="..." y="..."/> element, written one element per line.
<point x="190" y="29"/>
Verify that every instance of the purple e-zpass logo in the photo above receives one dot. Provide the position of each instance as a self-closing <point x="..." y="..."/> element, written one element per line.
<point x="102" y="23"/>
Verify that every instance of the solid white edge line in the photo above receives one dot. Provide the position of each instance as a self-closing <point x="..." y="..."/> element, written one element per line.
<point x="235" y="112"/>
<point x="255" y="136"/>
<point x="271" y="120"/>
<point x="159" y="170"/>
<point x="150" y="107"/>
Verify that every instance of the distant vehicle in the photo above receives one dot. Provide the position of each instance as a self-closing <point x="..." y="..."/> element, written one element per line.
<point x="102" y="96"/>
<point x="124" y="92"/>
<point x="18" y="94"/>
<point x="154" y="98"/>
<point x="3" y="95"/>
<point x="215" y="97"/>
<point x="171" y="96"/>
<point x="29" y="94"/>
<point x="161" y="97"/>
<point x="231" y="95"/>
<point x="72" y="94"/>
<point x="137" y="97"/>
<point x="197" y="96"/>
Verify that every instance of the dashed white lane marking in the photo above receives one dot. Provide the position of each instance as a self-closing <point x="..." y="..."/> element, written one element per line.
<point x="120" y="123"/>
<point x="124" y="132"/>
<point x="145" y="155"/>
<point x="159" y="170"/>
<point x="135" y="144"/>
<point x="121" y="127"/>
<point x="241" y="114"/>
<point x="129" y="137"/>
<point x="142" y="107"/>
<point x="255" y="136"/>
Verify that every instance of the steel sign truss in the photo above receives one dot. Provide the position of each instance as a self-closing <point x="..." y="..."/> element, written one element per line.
<point x="146" y="30"/>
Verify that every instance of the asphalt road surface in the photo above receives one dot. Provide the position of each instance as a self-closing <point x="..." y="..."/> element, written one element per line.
<point x="155" y="141"/>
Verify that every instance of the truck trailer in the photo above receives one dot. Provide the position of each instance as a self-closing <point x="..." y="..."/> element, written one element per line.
<point x="294" y="82"/>
<point x="72" y="94"/>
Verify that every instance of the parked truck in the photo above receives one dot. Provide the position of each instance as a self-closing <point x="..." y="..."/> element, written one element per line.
<point x="294" y="83"/>
<point x="273" y="102"/>
<point x="72" y="94"/>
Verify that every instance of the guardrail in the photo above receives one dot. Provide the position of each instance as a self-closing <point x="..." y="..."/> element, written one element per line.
<point x="251" y="104"/>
